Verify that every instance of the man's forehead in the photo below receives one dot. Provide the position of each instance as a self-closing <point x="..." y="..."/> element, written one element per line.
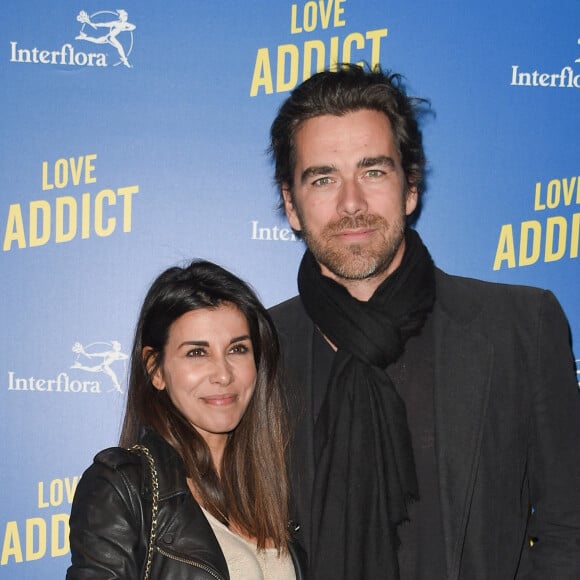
<point x="316" y="153"/>
<point x="353" y="129"/>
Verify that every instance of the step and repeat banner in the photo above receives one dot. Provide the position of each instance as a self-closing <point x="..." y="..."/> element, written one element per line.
<point x="134" y="137"/>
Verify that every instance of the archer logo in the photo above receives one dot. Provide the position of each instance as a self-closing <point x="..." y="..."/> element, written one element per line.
<point x="100" y="358"/>
<point x="106" y="27"/>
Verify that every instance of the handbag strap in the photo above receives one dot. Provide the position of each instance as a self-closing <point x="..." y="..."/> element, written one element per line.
<point x="154" y="505"/>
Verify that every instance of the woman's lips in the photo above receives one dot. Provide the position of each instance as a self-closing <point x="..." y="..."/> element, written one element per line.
<point x="220" y="400"/>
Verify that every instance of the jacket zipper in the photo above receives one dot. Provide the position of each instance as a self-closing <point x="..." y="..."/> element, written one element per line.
<point x="203" y="567"/>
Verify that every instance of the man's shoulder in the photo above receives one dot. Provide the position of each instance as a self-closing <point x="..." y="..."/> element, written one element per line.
<point x="290" y="317"/>
<point x="290" y="306"/>
<point x="467" y="298"/>
<point x="451" y="283"/>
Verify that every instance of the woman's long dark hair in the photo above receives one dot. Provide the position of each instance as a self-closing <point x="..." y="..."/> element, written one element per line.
<point x="251" y="489"/>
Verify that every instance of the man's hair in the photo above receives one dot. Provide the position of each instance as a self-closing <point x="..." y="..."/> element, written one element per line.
<point x="347" y="89"/>
<point x="252" y="488"/>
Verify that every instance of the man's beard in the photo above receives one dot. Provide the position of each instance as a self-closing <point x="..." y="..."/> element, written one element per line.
<point x="357" y="261"/>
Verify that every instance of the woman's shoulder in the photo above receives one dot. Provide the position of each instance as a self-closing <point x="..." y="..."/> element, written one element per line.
<point x="114" y="468"/>
<point x="116" y="457"/>
<point x="114" y="479"/>
<point x="136" y="467"/>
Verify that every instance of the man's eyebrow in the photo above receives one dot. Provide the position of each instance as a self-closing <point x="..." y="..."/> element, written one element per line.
<point x="316" y="170"/>
<point x="374" y="161"/>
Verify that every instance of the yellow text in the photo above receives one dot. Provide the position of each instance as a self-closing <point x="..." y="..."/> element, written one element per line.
<point x="555" y="239"/>
<point x="65" y="218"/>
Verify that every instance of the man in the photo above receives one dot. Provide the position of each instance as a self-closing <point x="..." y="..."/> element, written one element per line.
<point x="437" y="418"/>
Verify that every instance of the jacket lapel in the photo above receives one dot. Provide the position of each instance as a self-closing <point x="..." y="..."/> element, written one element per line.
<point x="298" y="350"/>
<point x="463" y="361"/>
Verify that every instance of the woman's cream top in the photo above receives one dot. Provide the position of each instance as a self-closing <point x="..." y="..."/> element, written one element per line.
<point x="245" y="561"/>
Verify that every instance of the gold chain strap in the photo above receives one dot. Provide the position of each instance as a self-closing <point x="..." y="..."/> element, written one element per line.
<point x="154" y="507"/>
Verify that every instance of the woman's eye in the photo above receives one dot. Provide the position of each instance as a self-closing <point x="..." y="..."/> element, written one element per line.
<point x="196" y="352"/>
<point x="239" y="349"/>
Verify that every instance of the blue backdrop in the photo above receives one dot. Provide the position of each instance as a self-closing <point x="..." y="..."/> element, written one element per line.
<point x="134" y="139"/>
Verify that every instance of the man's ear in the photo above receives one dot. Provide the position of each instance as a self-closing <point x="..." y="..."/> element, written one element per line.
<point x="290" y="209"/>
<point x="153" y="369"/>
<point x="411" y="200"/>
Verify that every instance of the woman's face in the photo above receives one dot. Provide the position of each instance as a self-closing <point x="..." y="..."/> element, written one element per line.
<point x="209" y="370"/>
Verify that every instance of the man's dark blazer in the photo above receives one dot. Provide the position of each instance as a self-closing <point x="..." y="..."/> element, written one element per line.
<point x="507" y="428"/>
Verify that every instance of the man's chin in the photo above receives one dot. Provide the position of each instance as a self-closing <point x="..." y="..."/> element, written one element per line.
<point x="351" y="267"/>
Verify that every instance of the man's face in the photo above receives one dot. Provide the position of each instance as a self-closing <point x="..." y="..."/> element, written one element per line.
<point x="350" y="195"/>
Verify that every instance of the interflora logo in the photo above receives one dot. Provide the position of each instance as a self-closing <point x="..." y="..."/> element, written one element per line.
<point x="104" y="38"/>
<point x="568" y="77"/>
<point x="99" y="358"/>
<point x="111" y="28"/>
<point x="96" y="368"/>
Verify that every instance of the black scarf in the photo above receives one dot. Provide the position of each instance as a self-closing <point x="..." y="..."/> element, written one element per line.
<point x="365" y="471"/>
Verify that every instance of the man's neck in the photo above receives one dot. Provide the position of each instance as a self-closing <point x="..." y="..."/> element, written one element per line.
<point x="363" y="289"/>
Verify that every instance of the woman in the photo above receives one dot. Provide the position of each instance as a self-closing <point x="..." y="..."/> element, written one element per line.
<point x="204" y="495"/>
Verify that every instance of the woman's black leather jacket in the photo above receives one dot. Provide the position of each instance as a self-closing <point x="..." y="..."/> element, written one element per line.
<point x="111" y="519"/>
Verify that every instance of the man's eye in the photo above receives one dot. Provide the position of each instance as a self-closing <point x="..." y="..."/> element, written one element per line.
<point x="323" y="181"/>
<point x="375" y="173"/>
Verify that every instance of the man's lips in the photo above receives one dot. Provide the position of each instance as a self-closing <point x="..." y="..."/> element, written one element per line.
<point x="220" y="400"/>
<point x="354" y="234"/>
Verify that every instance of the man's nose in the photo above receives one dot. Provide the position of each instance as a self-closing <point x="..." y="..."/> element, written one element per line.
<point x="352" y="198"/>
